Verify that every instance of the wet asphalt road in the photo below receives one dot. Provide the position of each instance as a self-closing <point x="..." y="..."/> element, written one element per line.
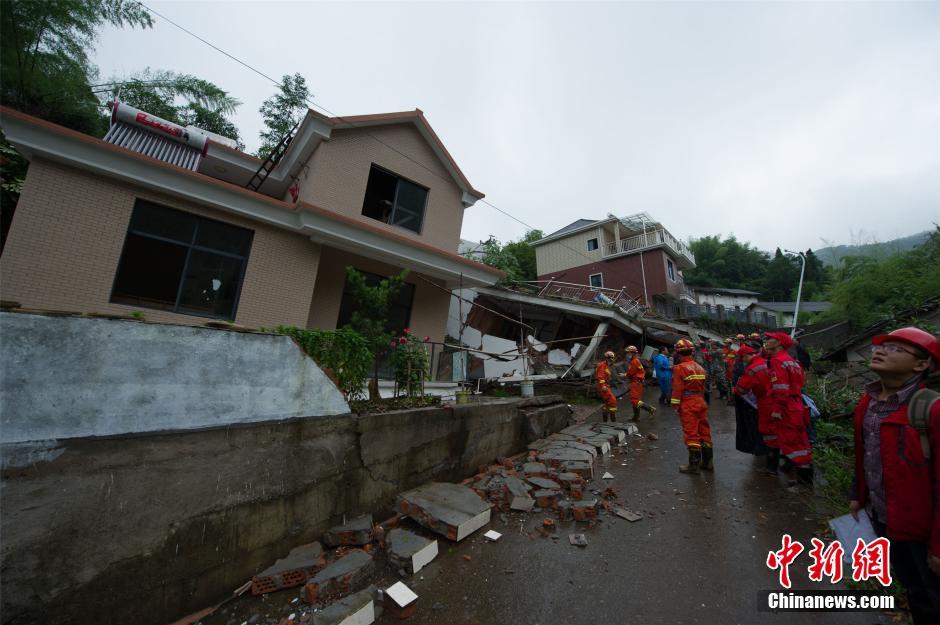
<point x="697" y="556"/>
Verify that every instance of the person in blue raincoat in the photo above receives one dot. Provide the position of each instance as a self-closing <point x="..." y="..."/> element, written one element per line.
<point x="663" y="366"/>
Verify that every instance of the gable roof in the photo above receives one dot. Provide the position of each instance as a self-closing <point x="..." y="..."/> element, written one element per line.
<point x="419" y="121"/>
<point x="721" y="290"/>
<point x="571" y="228"/>
<point x="786" y="307"/>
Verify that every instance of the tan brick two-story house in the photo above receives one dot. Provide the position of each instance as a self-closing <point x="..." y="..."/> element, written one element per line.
<point x="173" y="223"/>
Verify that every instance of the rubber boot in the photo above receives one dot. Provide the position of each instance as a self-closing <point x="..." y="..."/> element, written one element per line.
<point x="647" y="407"/>
<point x="773" y="461"/>
<point x="636" y="413"/>
<point x="613" y="417"/>
<point x="695" y="460"/>
<point x="707" y="456"/>
<point x="804" y="475"/>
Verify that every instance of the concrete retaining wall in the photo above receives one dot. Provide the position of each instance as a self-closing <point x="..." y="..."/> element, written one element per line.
<point x="147" y="527"/>
<point x="67" y="377"/>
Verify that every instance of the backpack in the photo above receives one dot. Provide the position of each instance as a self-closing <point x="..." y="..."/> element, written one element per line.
<point x="918" y="413"/>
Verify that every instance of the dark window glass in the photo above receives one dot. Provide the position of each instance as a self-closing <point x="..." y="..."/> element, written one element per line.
<point x="671" y="270"/>
<point x="393" y="200"/>
<point x="182" y="263"/>
<point x="597" y="280"/>
<point x="149" y="273"/>
<point x="591" y="245"/>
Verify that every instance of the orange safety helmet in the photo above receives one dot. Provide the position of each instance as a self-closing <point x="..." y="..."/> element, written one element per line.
<point x="739" y="337"/>
<point x="754" y="336"/>
<point x="631" y="349"/>
<point x="610" y="355"/>
<point x="684" y="345"/>
<point x="916" y="337"/>
<point x="729" y="340"/>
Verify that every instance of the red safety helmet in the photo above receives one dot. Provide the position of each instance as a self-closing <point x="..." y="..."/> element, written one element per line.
<point x="781" y="337"/>
<point x="744" y="350"/>
<point x="631" y="349"/>
<point x="916" y="337"/>
<point x="684" y="345"/>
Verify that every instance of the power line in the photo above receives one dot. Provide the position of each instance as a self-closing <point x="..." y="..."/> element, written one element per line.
<point x="310" y="101"/>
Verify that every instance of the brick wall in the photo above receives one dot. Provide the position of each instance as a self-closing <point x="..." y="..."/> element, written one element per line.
<point x="339" y="169"/>
<point x="66" y="239"/>
<point x="624" y="272"/>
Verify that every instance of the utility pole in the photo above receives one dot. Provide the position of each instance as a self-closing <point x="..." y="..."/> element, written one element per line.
<point x="799" y="289"/>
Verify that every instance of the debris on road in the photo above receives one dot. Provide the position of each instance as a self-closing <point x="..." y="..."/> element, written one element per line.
<point x="410" y="552"/>
<point x="633" y="517"/>
<point x="492" y="535"/>
<point x="290" y="571"/>
<point x="356" y="532"/>
<point x="578" y="540"/>
<point x="400" y="601"/>
<point x="452" y="510"/>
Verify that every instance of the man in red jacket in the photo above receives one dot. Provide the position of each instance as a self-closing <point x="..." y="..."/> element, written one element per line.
<point x="896" y="482"/>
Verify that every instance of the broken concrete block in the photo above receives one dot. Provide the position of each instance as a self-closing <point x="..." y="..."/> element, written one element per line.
<point x="517" y="487"/>
<point x="356" y="609"/>
<point x="578" y="540"/>
<point x="584" y="469"/>
<point x="544" y="483"/>
<point x="546" y="498"/>
<point x="290" y="571"/>
<point x="570" y="479"/>
<point x="536" y="469"/>
<point x="522" y="504"/>
<point x="409" y="551"/>
<point x="554" y="456"/>
<point x="633" y="517"/>
<point x="400" y="601"/>
<point x="340" y="577"/>
<point x="451" y="510"/>
<point x="356" y="532"/>
<point x="618" y="434"/>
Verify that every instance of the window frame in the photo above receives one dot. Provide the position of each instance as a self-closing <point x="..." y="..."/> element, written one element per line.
<point x="190" y="247"/>
<point x="671" y="270"/>
<point x="595" y="286"/>
<point x="597" y="244"/>
<point x="399" y="178"/>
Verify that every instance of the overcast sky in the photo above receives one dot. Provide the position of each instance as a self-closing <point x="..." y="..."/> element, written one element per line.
<point x="787" y="124"/>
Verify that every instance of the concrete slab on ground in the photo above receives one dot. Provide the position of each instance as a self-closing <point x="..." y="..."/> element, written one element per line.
<point x="452" y="510"/>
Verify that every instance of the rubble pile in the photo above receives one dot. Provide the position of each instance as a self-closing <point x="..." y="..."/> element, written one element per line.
<point x="553" y="475"/>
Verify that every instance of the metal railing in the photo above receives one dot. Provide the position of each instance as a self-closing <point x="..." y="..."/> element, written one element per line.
<point x="653" y="238"/>
<point x="585" y="293"/>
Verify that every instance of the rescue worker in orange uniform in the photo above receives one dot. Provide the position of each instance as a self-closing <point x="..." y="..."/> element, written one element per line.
<point x="603" y="374"/>
<point x="636" y="374"/>
<point x="788" y="412"/>
<point x="688" y="397"/>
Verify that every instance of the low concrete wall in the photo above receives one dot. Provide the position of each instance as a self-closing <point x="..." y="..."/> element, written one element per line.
<point x="145" y="528"/>
<point x="67" y="377"/>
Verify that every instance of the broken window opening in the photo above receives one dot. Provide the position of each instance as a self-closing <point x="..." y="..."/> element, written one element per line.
<point x="181" y="263"/>
<point x="591" y="245"/>
<point x="394" y="200"/>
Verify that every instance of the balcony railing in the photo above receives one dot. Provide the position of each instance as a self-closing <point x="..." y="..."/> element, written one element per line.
<point x="653" y="238"/>
<point x="584" y="293"/>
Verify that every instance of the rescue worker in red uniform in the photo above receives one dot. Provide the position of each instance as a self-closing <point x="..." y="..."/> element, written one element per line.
<point x="603" y="375"/>
<point x="728" y="356"/>
<point x="897" y="463"/>
<point x="688" y="397"/>
<point x="787" y="410"/>
<point x="636" y="374"/>
<point x="753" y="422"/>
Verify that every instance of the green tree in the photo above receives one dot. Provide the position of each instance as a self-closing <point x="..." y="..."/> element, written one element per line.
<point x="44" y="64"/>
<point x="282" y="111"/>
<point x="869" y="290"/>
<point x="726" y="263"/>
<point x="371" y="316"/>
<point x="783" y="275"/>
<point x="180" y="98"/>
<point x="516" y="258"/>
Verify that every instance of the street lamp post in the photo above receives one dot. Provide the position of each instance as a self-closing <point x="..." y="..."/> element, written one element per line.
<point x="799" y="290"/>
